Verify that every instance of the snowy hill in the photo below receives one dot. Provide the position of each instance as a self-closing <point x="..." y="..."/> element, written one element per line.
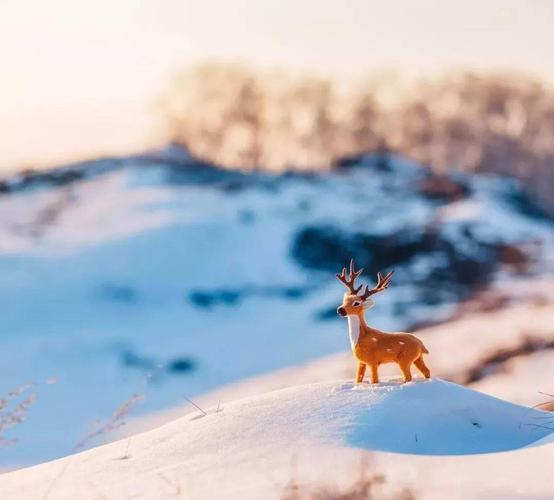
<point x="153" y="274"/>
<point x="507" y="353"/>
<point x="244" y="449"/>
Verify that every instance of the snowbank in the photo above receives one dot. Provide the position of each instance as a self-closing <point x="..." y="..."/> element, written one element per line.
<point x="245" y="449"/>
<point x="105" y="285"/>
<point x="525" y="379"/>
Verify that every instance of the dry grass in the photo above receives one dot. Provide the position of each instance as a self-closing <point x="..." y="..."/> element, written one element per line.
<point x="14" y="409"/>
<point x="174" y="484"/>
<point x="498" y="360"/>
<point x="101" y="428"/>
<point x="541" y="421"/>
<point x="366" y="487"/>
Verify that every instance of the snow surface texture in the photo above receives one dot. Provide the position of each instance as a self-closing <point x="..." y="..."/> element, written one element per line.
<point x="244" y="449"/>
<point x="526" y="379"/>
<point x="441" y="418"/>
<point x="136" y="280"/>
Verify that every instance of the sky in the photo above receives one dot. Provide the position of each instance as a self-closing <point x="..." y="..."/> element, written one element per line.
<point x="81" y="78"/>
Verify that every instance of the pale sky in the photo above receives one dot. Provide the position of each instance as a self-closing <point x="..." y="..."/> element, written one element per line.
<point x="79" y="78"/>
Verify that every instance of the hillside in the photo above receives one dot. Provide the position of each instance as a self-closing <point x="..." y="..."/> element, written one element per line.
<point x="507" y="353"/>
<point x="301" y="439"/>
<point x="153" y="274"/>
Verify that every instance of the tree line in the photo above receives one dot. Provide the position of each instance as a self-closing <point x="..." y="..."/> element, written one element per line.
<point x="234" y="116"/>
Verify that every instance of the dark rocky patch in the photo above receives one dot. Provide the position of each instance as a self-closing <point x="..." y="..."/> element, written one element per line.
<point x="199" y="173"/>
<point x="379" y="160"/>
<point x="58" y="177"/>
<point x="217" y="297"/>
<point x="443" y="188"/>
<point x="305" y="175"/>
<point x="526" y="204"/>
<point x="133" y="360"/>
<point x="452" y="271"/>
<point x="181" y="365"/>
<point x="514" y="257"/>
<point x="62" y="176"/>
<point x="485" y="300"/>
<point x="180" y="168"/>
<point x="456" y="269"/>
<point x="350" y="161"/>
<point x="290" y="292"/>
<point x="328" y="313"/>
<point x="496" y="361"/>
<point x="234" y="296"/>
<point x="155" y="367"/>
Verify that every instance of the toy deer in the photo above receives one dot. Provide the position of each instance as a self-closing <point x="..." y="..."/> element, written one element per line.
<point x="373" y="347"/>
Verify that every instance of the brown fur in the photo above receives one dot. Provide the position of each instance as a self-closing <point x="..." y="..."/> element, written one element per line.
<point x="375" y="347"/>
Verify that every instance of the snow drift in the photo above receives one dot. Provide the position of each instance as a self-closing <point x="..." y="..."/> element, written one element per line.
<point x="152" y="275"/>
<point x="439" y="418"/>
<point x="244" y="449"/>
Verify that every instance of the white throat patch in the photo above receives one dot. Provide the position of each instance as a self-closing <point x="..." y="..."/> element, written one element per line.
<point x="354" y="330"/>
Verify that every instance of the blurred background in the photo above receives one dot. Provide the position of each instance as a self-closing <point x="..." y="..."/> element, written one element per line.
<point x="180" y="181"/>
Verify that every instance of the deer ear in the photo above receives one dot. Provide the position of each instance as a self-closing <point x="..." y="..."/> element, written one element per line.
<point x="368" y="303"/>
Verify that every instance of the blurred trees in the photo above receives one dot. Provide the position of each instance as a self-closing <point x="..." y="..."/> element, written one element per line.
<point x="495" y="123"/>
<point x="231" y="116"/>
<point x="238" y="118"/>
<point x="217" y="112"/>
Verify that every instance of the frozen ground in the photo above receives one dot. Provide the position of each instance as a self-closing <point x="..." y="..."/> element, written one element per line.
<point x="315" y="436"/>
<point x="147" y="278"/>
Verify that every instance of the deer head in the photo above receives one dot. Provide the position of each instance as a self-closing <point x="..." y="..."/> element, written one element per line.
<point x="353" y="303"/>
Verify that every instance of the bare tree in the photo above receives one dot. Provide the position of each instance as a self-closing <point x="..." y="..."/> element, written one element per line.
<point x="232" y="116"/>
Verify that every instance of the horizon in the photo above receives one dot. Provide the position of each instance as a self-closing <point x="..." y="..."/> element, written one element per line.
<point x="82" y="81"/>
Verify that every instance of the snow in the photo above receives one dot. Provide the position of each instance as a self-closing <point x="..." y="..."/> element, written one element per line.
<point x="101" y="271"/>
<point x="441" y="418"/>
<point x="526" y="380"/>
<point x="244" y="449"/>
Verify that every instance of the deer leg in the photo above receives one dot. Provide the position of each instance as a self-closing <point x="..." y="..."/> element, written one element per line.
<point x="374" y="374"/>
<point x="360" y="373"/>
<point x="405" y="366"/>
<point x="422" y="367"/>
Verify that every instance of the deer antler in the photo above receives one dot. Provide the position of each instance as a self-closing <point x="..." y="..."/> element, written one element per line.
<point x="350" y="280"/>
<point x="382" y="284"/>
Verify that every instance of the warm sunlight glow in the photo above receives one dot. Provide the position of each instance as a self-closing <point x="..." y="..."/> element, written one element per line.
<point x="80" y="79"/>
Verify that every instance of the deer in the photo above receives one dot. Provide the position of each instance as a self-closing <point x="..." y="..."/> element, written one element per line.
<point x="371" y="346"/>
